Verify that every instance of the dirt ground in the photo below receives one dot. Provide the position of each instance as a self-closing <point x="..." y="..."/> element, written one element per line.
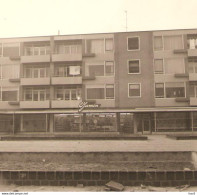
<point x="14" y="188"/>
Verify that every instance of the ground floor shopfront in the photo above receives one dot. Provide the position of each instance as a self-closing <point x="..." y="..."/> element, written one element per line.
<point x="119" y="121"/>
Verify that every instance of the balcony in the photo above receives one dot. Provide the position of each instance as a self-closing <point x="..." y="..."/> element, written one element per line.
<point x="67" y="57"/>
<point x="192" y="76"/>
<point x="66" y="80"/>
<point x="9" y="105"/>
<point x="65" y="103"/>
<point x="192" y="52"/>
<point x="193" y="101"/>
<point x="35" y="58"/>
<point x="35" y="81"/>
<point x="35" y="104"/>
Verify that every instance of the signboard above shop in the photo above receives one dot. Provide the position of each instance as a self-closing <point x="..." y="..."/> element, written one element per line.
<point x="83" y="105"/>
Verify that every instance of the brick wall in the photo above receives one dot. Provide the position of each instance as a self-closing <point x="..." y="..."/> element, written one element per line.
<point x="91" y="178"/>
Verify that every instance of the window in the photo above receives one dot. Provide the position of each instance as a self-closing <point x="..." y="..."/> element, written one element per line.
<point x="159" y="90"/>
<point x="108" y="44"/>
<point x="134" y="90"/>
<point x="95" y="68"/>
<point x="37" y="50"/>
<point x="36" y="94"/>
<point x="95" y="46"/>
<point x="134" y="66"/>
<point x="10" y="71"/>
<point x="158" y="43"/>
<point x="9" y="94"/>
<point x="67" y="71"/>
<point x="109" y="68"/>
<point x="35" y="71"/>
<point x="62" y="93"/>
<point x="109" y="91"/>
<point x="173" y="42"/>
<point x="158" y="66"/>
<point x="176" y="89"/>
<point x="133" y="43"/>
<point x="1" y="50"/>
<point x="95" y="93"/>
<point x="174" y="65"/>
<point x="172" y="90"/>
<point x="100" y="91"/>
<point x="11" y="49"/>
<point x="67" y="49"/>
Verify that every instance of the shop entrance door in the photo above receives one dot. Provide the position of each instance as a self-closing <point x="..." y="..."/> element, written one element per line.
<point x="146" y="126"/>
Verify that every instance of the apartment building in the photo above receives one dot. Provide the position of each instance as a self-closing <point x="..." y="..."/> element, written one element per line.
<point x="129" y="82"/>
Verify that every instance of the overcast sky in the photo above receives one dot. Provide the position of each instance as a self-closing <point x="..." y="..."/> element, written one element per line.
<point x="21" y="18"/>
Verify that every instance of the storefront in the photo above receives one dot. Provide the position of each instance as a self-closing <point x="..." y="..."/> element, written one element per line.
<point x="135" y="121"/>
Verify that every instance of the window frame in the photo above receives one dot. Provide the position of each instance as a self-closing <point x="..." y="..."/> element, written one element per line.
<point x="106" y="51"/>
<point x="104" y="87"/>
<point x="140" y="90"/>
<point x="165" y="90"/>
<point x="128" y="43"/>
<point x="105" y="74"/>
<point x="139" y="66"/>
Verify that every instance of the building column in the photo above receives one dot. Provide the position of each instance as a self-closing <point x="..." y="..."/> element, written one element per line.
<point x="134" y="123"/>
<point x="13" y="124"/>
<point x="192" y="121"/>
<point x="21" y="121"/>
<point x="118" y="122"/>
<point x="51" y="123"/>
<point x="155" y="121"/>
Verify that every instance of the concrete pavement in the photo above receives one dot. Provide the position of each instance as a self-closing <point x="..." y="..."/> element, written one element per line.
<point x="154" y="143"/>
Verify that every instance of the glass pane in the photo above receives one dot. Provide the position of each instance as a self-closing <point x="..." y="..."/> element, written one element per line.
<point x="109" y="68"/>
<point x="73" y="94"/>
<point x="158" y="66"/>
<point x="35" y="95"/>
<point x="9" y="95"/>
<point x="173" y="42"/>
<point x="134" y="66"/>
<point x="109" y="91"/>
<point x="134" y="90"/>
<point x="108" y="44"/>
<point x="35" y="73"/>
<point x="42" y="50"/>
<point x="96" y="70"/>
<point x="36" y="51"/>
<point x="158" y="44"/>
<point x="95" y="93"/>
<point x="159" y="90"/>
<point x="28" y="95"/>
<point x="42" y="72"/>
<point x="133" y="43"/>
<point x="67" y="94"/>
<point x="42" y="95"/>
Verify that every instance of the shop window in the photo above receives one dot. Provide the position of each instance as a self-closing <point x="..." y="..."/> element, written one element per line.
<point x="134" y="90"/>
<point x="176" y="89"/>
<point x="173" y="42"/>
<point x="134" y="66"/>
<point x="158" y="66"/>
<point x="133" y="43"/>
<point x="109" y="91"/>
<point x="158" y="43"/>
<point x="108" y="44"/>
<point x="159" y="90"/>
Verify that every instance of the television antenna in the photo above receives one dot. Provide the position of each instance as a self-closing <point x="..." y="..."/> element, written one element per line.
<point x="126" y="19"/>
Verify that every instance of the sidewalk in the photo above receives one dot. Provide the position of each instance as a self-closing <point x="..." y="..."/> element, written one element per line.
<point x="154" y="143"/>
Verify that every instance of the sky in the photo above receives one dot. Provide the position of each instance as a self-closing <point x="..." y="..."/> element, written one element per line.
<point x="22" y="18"/>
